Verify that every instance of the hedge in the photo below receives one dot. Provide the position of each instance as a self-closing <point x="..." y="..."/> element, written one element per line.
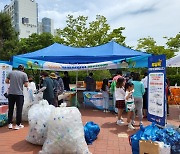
<point x="173" y="79"/>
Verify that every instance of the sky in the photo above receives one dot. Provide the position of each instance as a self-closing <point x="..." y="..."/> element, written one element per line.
<point x="141" y="18"/>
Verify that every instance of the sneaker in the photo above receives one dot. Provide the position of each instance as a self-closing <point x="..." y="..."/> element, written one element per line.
<point x="107" y="111"/>
<point x="17" y="127"/>
<point x="130" y="126"/>
<point x="120" y="122"/>
<point x="10" y="126"/>
<point x="133" y="122"/>
<point x="104" y="111"/>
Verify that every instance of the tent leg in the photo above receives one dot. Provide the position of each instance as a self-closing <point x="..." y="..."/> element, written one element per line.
<point x="76" y="88"/>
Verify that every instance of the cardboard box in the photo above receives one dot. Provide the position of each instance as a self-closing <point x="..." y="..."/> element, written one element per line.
<point x="80" y="84"/>
<point x="148" y="147"/>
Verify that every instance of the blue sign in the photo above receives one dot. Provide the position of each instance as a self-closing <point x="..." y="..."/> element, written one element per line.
<point x="156" y="89"/>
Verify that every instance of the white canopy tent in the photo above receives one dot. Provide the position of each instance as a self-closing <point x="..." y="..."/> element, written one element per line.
<point x="174" y="61"/>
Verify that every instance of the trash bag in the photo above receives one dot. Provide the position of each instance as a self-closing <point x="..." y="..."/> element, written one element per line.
<point x="65" y="133"/>
<point x="145" y="133"/>
<point x="170" y="136"/>
<point x="134" y="139"/>
<point x="91" y="131"/>
<point x="38" y="116"/>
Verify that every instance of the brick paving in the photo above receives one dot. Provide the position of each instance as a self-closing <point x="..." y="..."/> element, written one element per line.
<point x="112" y="139"/>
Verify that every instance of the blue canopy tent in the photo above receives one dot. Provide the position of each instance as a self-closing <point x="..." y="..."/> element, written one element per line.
<point x="65" y="58"/>
<point x="72" y="55"/>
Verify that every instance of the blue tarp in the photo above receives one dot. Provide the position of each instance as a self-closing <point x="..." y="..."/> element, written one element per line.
<point x="6" y="62"/>
<point x="65" y="54"/>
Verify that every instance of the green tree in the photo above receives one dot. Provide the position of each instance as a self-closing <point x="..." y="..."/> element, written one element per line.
<point x="82" y="34"/>
<point x="8" y="37"/>
<point x="173" y="43"/>
<point x="34" y="42"/>
<point x="149" y="45"/>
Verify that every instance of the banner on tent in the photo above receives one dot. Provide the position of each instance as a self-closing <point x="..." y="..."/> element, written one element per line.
<point x="134" y="62"/>
<point x="4" y="70"/>
<point x="156" y="89"/>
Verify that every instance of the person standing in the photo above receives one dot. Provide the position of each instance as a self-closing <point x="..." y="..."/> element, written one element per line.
<point x="66" y="81"/>
<point x="48" y="88"/>
<point x="138" y="96"/>
<point x="105" y="94"/>
<point x="56" y="85"/>
<point x="16" y="79"/>
<point x="90" y="83"/>
<point x="145" y="82"/>
<point x="113" y="85"/>
<point x="60" y="88"/>
<point x="120" y="99"/>
<point x="129" y="100"/>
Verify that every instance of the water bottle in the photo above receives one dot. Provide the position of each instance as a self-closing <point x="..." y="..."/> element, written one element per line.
<point x="176" y="85"/>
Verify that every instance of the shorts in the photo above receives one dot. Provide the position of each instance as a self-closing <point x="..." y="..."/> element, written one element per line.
<point x="130" y="106"/>
<point x="120" y="104"/>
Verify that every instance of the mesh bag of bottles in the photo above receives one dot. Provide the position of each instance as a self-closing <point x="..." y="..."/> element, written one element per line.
<point x="38" y="116"/>
<point x="65" y="133"/>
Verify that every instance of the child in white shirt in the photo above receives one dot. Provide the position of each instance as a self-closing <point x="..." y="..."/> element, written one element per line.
<point x="120" y="99"/>
<point x="129" y="100"/>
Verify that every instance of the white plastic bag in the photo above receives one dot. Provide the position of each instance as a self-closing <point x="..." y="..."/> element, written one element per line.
<point x="65" y="133"/>
<point x="38" y="116"/>
<point x="29" y="101"/>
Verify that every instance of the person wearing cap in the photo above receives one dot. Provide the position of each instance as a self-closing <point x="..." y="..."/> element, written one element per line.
<point x="48" y="88"/>
<point x="16" y="79"/>
<point x="53" y="76"/>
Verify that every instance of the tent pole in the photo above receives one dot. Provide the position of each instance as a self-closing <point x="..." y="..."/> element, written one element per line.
<point x="76" y="87"/>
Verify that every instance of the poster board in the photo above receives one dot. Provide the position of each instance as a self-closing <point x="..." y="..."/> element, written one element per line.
<point x="4" y="70"/>
<point x="95" y="99"/>
<point x="156" y="89"/>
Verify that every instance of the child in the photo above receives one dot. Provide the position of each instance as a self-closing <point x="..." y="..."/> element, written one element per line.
<point x="105" y="92"/>
<point x="120" y="98"/>
<point x="129" y="99"/>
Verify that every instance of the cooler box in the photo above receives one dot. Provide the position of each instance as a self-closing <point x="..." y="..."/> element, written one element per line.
<point x="3" y="115"/>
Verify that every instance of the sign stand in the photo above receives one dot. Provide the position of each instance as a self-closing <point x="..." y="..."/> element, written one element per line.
<point x="156" y="89"/>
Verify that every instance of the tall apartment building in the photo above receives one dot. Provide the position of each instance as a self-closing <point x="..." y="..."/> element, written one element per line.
<point x="47" y="25"/>
<point x="24" y="16"/>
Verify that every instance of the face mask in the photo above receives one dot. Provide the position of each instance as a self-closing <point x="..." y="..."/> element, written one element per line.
<point x="30" y="80"/>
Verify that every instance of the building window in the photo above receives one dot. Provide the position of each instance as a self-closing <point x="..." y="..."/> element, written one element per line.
<point x="25" y="20"/>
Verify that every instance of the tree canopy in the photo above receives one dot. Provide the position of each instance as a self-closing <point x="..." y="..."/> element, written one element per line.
<point x="82" y="34"/>
<point x="149" y="45"/>
<point x="8" y="37"/>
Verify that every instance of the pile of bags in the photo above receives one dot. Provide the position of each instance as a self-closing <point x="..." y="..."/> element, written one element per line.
<point x="169" y="136"/>
<point x="38" y="117"/>
<point x="29" y="100"/>
<point x="65" y="133"/>
<point x="60" y="130"/>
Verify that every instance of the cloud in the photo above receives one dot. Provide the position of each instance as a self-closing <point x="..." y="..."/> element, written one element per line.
<point x="141" y="18"/>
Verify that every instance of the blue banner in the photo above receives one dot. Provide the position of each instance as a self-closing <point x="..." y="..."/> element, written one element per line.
<point x="156" y="89"/>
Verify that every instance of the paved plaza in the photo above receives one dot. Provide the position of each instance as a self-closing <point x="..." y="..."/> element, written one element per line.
<point x="112" y="139"/>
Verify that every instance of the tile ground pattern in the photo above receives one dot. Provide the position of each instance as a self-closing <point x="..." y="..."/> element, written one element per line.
<point x="113" y="139"/>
